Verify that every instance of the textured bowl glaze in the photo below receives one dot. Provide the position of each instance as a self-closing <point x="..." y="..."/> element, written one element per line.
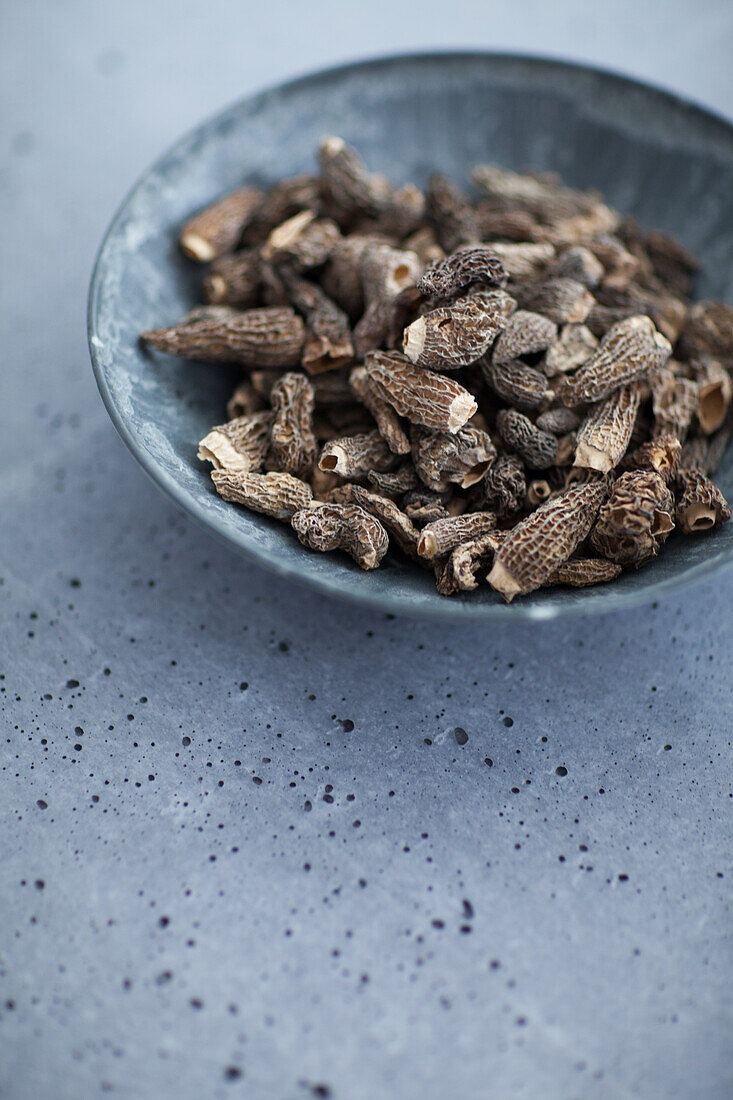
<point x="664" y="160"/>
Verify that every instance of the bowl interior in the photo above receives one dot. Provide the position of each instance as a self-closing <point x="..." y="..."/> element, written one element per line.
<point x="667" y="162"/>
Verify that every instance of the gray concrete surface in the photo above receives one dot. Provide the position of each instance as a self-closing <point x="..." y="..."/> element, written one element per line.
<point x="243" y="850"/>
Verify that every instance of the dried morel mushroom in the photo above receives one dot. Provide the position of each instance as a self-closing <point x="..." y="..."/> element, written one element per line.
<point x="469" y="264"/>
<point x="423" y="397"/>
<point x="635" y="520"/>
<point x="218" y="229"/>
<point x="512" y="388"/>
<point x="342" y="527"/>
<point x="442" y="458"/>
<point x="267" y="337"/>
<point x="457" y="335"/>
<point x="606" y="433"/>
<point x="544" y="541"/>
<point x="240" y="444"/>
<point x="700" y="504"/>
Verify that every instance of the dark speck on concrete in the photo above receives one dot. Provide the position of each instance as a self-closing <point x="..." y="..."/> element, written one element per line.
<point x="110" y="62"/>
<point x="24" y="143"/>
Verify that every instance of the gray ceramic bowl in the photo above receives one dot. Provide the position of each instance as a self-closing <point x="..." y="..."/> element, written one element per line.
<point x="654" y="155"/>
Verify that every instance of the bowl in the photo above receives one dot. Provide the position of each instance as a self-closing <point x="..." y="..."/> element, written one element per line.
<point x="652" y="154"/>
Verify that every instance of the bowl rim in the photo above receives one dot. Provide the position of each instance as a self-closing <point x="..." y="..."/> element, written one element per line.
<point x="456" y="611"/>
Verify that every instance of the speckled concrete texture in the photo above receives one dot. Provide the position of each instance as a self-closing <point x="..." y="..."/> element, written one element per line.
<point x="259" y="843"/>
